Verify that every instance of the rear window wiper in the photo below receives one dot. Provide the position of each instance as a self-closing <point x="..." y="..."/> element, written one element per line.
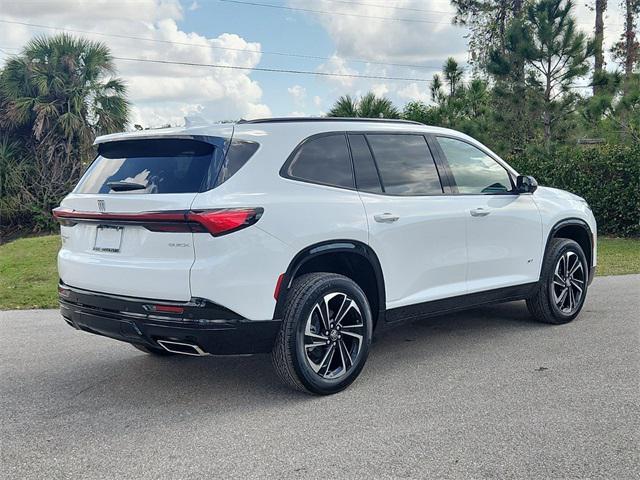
<point x="125" y="186"/>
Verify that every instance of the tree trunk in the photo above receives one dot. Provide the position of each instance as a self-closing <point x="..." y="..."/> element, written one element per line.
<point x="547" y="129"/>
<point x="601" y="6"/>
<point x="546" y="118"/>
<point x="629" y="45"/>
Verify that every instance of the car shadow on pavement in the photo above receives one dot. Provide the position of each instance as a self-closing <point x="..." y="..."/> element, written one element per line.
<point x="123" y="376"/>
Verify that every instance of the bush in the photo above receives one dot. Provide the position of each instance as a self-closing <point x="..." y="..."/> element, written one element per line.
<point x="608" y="177"/>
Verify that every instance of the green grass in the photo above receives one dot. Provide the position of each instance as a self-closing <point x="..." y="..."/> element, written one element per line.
<point x="28" y="276"/>
<point x="618" y="256"/>
<point x="28" y="273"/>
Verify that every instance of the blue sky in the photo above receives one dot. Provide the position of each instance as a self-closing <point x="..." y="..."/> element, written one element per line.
<point x="236" y="33"/>
<point x="277" y="31"/>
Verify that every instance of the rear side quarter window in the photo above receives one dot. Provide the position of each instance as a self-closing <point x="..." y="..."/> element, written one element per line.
<point x="238" y="153"/>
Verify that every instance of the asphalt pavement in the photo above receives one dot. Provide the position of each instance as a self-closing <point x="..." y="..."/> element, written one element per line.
<point x="482" y="394"/>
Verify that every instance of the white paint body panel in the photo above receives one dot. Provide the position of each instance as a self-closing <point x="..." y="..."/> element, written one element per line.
<point x="148" y="265"/>
<point x="505" y="247"/>
<point x="423" y="254"/>
<point x="435" y="250"/>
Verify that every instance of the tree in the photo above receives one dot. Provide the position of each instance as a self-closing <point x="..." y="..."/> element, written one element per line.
<point x="368" y="106"/>
<point x="600" y="7"/>
<point x="55" y="97"/>
<point x="555" y="54"/>
<point x="514" y="106"/>
<point x="627" y="50"/>
<point x="488" y="21"/>
<point x="436" y="89"/>
<point x="452" y="75"/>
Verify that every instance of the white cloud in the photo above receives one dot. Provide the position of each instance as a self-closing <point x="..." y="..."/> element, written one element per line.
<point x="298" y="93"/>
<point x="379" y="89"/>
<point x="317" y="101"/>
<point x="337" y="64"/>
<point x="160" y="93"/>
<point x="413" y="91"/>
<point x="357" y="34"/>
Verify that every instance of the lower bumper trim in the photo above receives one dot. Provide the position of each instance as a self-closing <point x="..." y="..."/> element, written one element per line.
<point x="128" y="323"/>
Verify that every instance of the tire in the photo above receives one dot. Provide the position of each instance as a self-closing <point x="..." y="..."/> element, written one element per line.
<point x="159" y="352"/>
<point x="304" y="329"/>
<point x="549" y="304"/>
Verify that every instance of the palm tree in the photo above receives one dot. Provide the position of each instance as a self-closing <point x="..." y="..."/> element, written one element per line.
<point x="346" y="106"/>
<point x="368" y="106"/>
<point x="56" y="96"/>
<point x="63" y="85"/>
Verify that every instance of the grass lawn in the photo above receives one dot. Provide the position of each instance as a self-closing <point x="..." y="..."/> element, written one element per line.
<point x="28" y="276"/>
<point x="618" y="256"/>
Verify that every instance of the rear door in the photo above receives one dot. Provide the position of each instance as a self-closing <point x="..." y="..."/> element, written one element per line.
<point x="136" y="180"/>
<point x="418" y="236"/>
<point x="504" y="229"/>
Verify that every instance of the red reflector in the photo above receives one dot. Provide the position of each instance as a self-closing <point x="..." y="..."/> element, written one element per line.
<point x="167" y="309"/>
<point x="276" y="292"/>
<point x="225" y="220"/>
<point x="64" y="292"/>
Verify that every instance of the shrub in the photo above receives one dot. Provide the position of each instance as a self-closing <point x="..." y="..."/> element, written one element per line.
<point x="608" y="177"/>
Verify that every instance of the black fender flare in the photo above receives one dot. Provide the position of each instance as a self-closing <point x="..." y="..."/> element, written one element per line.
<point x="577" y="222"/>
<point x="325" y="248"/>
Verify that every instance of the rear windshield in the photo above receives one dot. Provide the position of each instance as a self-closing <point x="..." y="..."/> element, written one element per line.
<point x="151" y="166"/>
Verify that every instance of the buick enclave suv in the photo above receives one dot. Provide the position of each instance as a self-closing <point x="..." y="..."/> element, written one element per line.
<point x="301" y="237"/>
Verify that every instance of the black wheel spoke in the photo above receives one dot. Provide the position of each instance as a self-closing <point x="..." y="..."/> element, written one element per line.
<point x="333" y="336"/>
<point x="567" y="284"/>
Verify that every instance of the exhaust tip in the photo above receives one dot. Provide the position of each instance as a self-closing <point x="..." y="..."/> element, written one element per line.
<point x="182" y="348"/>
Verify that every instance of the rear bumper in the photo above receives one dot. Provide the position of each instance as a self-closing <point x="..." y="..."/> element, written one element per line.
<point x="214" y="329"/>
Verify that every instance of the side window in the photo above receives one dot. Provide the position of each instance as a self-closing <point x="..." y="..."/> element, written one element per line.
<point x="238" y="153"/>
<point x="323" y="160"/>
<point x="405" y="164"/>
<point x="473" y="170"/>
<point x="367" y="179"/>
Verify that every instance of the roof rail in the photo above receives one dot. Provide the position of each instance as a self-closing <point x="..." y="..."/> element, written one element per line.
<point x="326" y="119"/>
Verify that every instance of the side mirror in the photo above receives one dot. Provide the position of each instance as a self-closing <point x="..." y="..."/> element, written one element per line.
<point x="526" y="184"/>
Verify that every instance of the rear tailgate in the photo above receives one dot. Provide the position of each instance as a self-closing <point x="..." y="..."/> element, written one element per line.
<point x="108" y="244"/>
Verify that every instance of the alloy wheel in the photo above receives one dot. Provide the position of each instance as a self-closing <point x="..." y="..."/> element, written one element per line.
<point x="568" y="282"/>
<point x="333" y="335"/>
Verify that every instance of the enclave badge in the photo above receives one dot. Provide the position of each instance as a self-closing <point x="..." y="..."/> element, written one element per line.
<point x="101" y="206"/>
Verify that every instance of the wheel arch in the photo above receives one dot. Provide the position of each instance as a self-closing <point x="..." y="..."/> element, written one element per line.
<point x="351" y="258"/>
<point x="577" y="230"/>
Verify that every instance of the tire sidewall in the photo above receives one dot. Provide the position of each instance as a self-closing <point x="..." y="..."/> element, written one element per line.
<point x="307" y="376"/>
<point x="568" y="245"/>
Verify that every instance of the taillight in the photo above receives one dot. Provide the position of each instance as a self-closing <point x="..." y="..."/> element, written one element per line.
<point x="217" y="222"/>
<point x="225" y="220"/>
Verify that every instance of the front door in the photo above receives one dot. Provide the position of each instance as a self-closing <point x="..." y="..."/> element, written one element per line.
<point x="504" y="228"/>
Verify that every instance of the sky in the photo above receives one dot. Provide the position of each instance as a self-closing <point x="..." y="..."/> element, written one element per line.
<point x="405" y="39"/>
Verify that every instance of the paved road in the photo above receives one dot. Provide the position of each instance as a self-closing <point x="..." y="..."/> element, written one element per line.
<point x="484" y="394"/>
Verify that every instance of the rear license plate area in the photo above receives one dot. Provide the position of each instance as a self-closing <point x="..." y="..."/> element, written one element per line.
<point x="108" y="239"/>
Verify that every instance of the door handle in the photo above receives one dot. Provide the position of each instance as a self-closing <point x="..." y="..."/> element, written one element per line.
<point x="479" y="212"/>
<point x="385" y="218"/>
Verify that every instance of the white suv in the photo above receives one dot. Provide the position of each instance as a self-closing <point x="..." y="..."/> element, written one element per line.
<point x="300" y="237"/>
